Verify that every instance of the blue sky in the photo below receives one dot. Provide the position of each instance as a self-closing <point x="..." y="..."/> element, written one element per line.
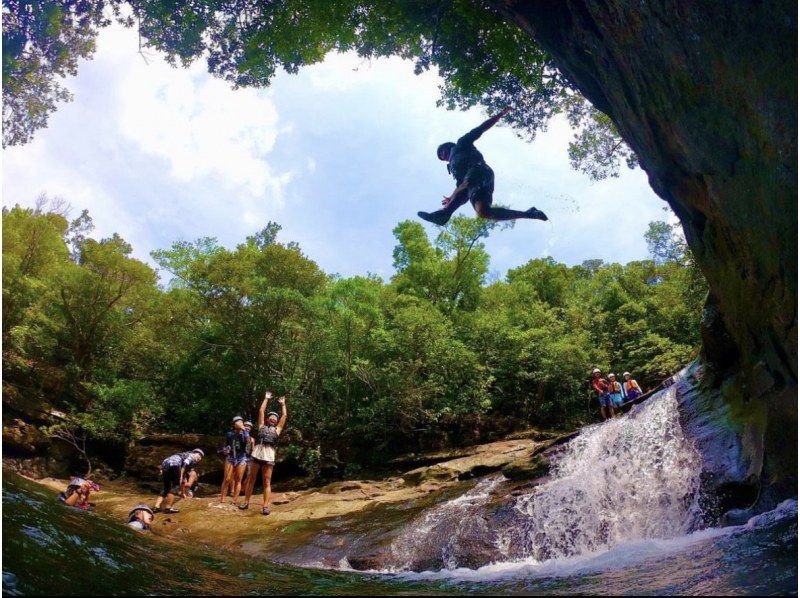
<point x="338" y="155"/>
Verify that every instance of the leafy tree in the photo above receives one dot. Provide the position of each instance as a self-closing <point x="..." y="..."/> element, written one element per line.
<point x="483" y="58"/>
<point x="42" y="42"/>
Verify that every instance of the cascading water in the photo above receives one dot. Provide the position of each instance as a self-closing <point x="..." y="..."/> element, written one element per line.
<point x="449" y="535"/>
<point x="633" y="478"/>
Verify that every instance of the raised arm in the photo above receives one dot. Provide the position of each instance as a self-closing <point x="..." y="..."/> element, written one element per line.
<point x="284" y="415"/>
<point x="263" y="409"/>
<point x="473" y="135"/>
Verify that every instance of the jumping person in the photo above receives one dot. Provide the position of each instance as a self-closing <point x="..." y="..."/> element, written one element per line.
<point x="236" y="441"/>
<point x="173" y="472"/>
<point x="269" y="430"/>
<point x="474" y="178"/>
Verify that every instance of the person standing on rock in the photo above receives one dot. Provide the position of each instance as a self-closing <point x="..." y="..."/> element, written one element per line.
<point x="615" y="390"/>
<point x="236" y="441"/>
<point x="269" y="429"/>
<point x="600" y="386"/>
<point x="632" y="388"/>
<point x="248" y="425"/>
<point x="475" y="180"/>
<point x="173" y="473"/>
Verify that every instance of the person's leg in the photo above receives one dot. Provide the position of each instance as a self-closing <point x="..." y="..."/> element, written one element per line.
<point x="484" y="209"/>
<point x="226" y="480"/>
<point x="238" y="474"/>
<point x="267" y="479"/>
<point x="255" y="466"/>
<point x="442" y="217"/>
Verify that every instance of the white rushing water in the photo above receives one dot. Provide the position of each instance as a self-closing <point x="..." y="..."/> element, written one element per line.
<point x="630" y="481"/>
<point x="632" y="478"/>
<point x="442" y="530"/>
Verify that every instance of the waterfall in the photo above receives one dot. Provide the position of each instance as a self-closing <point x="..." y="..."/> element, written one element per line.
<point x="633" y="478"/>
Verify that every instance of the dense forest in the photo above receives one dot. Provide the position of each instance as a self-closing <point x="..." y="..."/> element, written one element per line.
<point x="438" y="355"/>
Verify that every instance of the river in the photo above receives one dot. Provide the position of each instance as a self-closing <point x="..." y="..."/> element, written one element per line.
<point x="619" y="515"/>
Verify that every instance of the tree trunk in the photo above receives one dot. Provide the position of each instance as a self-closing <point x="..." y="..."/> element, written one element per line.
<point x="705" y="93"/>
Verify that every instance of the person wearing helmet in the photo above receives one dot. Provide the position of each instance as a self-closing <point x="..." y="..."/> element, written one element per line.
<point x="77" y="493"/>
<point x="141" y="518"/>
<point x="248" y="425"/>
<point x="615" y="390"/>
<point x="235" y="450"/>
<point x="173" y="473"/>
<point x="600" y="386"/>
<point x="631" y="386"/>
<point x="269" y="429"/>
<point x="474" y="178"/>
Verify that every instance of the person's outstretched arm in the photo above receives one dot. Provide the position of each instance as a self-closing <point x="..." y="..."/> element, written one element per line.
<point x="473" y="135"/>
<point x="263" y="409"/>
<point x="284" y="415"/>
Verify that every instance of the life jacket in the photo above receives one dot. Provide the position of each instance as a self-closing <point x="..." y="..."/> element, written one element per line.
<point x="615" y="388"/>
<point x="268" y="435"/>
<point x="237" y="441"/>
<point x="631" y="385"/>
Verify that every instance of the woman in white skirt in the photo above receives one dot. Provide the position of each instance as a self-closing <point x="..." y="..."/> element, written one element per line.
<point x="263" y="456"/>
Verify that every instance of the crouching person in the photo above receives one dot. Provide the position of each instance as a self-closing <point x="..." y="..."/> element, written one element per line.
<point x="174" y="473"/>
<point x="77" y="493"/>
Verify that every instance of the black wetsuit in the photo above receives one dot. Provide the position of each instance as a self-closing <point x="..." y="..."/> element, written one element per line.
<point x="466" y="162"/>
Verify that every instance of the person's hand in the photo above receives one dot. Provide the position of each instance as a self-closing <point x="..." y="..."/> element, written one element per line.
<point x="282" y="400"/>
<point x="268" y="395"/>
<point x="448" y="199"/>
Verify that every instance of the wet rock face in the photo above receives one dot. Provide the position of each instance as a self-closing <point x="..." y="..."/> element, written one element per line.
<point x="706" y="93"/>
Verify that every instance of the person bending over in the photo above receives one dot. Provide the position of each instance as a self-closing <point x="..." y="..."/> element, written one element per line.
<point x="269" y="429"/>
<point x="475" y="180"/>
<point x="173" y="472"/>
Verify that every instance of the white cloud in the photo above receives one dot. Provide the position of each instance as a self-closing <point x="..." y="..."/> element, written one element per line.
<point x="200" y="126"/>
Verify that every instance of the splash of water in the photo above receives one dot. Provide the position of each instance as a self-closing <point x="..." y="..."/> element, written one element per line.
<point x="441" y="534"/>
<point x="632" y="478"/>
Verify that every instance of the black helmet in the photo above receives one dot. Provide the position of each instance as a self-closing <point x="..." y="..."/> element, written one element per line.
<point x="444" y="150"/>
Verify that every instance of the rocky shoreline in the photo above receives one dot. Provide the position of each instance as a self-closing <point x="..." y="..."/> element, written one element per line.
<point x="303" y="522"/>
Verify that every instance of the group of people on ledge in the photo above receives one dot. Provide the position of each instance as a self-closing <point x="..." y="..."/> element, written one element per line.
<point x="245" y="456"/>
<point x="611" y="394"/>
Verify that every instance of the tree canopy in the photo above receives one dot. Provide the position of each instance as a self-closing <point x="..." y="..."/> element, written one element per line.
<point x="437" y="355"/>
<point x="481" y="57"/>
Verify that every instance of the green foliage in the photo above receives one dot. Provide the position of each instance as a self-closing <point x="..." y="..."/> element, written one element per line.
<point x="482" y="58"/>
<point x="42" y="41"/>
<point x="371" y="368"/>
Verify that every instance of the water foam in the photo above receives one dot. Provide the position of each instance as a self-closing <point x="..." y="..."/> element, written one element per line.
<point x="631" y="478"/>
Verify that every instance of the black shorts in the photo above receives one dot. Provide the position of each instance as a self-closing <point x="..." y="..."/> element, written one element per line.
<point x="171" y="477"/>
<point x="480" y="186"/>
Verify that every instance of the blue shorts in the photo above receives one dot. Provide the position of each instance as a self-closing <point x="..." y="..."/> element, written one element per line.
<point x="605" y="400"/>
<point x="617" y="398"/>
<point x="237" y="461"/>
